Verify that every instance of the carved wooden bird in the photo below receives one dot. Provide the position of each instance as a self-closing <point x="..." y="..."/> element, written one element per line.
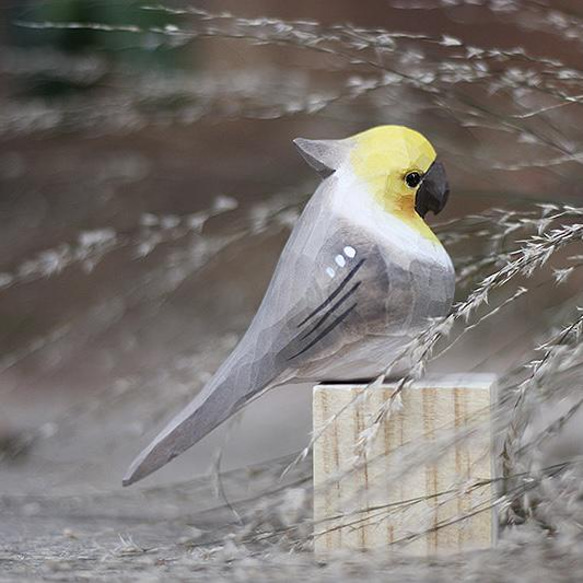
<point x="360" y="275"/>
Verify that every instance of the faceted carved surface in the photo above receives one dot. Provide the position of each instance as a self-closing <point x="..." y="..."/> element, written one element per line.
<point x="354" y="283"/>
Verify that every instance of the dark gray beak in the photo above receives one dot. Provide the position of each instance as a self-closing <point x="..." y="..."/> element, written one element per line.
<point x="433" y="192"/>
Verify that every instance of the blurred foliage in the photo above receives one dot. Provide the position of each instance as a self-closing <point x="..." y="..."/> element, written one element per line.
<point x="146" y="52"/>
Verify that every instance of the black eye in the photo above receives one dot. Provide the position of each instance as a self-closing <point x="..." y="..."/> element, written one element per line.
<point x="413" y="179"/>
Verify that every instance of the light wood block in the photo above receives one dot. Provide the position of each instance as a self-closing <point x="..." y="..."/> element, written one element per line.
<point x="421" y="471"/>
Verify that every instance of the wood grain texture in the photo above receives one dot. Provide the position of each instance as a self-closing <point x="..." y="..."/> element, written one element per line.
<point x="421" y="473"/>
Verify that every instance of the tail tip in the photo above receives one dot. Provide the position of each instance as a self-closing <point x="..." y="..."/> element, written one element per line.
<point x="129" y="479"/>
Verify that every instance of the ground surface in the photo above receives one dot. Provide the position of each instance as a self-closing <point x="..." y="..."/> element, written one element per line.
<point x="157" y="537"/>
<point x="186" y="533"/>
<point x="183" y="529"/>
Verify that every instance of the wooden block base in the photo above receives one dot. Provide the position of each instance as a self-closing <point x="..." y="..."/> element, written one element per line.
<point x="421" y="472"/>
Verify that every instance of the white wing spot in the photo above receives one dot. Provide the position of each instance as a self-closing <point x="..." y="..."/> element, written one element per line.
<point x="330" y="271"/>
<point x="349" y="251"/>
<point x="340" y="261"/>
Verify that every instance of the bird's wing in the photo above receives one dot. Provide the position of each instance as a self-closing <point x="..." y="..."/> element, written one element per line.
<point x="330" y="288"/>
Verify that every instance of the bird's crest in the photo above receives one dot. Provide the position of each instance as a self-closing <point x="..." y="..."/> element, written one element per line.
<point x="324" y="156"/>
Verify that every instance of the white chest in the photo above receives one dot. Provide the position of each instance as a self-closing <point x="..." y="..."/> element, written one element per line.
<point x="354" y="204"/>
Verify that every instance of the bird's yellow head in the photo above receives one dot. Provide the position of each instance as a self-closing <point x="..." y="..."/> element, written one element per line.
<point x="398" y="166"/>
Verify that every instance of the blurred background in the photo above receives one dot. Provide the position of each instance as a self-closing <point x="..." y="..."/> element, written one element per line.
<point x="148" y="182"/>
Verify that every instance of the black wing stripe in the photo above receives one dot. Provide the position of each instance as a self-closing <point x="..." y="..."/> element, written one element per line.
<point x="326" y="331"/>
<point x="331" y="310"/>
<point x="333" y="295"/>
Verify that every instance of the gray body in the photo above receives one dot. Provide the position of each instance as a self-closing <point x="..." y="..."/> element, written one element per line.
<point x="314" y="326"/>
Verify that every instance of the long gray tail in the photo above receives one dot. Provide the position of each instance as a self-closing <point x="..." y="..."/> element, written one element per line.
<point x="236" y="382"/>
<point x="208" y="410"/>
